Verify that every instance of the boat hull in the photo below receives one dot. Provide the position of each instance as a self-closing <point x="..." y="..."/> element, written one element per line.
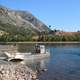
<point x="29" y="57"/>
<point x="37" y="56"/>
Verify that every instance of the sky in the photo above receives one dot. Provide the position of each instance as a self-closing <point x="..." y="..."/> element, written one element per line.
<point x="60" y="14"/>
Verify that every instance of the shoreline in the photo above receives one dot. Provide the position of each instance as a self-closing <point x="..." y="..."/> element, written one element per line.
<point x="41" y="42"/>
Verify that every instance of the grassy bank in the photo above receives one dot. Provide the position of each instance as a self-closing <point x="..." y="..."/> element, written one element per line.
<point x="41" y="42"/>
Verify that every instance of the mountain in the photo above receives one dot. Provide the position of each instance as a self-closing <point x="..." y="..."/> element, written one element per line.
<point x="20" y="19"/>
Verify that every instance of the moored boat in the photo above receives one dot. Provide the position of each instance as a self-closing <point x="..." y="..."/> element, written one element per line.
<point x="38" y="53"/>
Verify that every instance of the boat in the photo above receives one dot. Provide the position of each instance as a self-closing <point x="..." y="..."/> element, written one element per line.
<point x="38" y="53"/>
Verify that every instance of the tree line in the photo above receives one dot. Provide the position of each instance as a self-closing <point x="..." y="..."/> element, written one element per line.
<point x="16" y="33"/>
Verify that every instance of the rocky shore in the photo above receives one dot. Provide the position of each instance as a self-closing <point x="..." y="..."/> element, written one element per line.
<point x="16" y="72"/>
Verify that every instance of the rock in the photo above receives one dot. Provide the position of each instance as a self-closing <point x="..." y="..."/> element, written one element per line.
<point x="44" y="70"/>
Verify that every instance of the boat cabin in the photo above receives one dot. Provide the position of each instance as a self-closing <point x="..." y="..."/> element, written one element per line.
<point x="40" y="49"/>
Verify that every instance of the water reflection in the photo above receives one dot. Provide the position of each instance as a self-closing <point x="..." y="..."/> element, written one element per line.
<point x="36" y="64"/>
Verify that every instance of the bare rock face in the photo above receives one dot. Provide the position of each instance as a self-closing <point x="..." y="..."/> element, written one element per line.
<point x="22" y="19"/>
<point x="16" y="72"/>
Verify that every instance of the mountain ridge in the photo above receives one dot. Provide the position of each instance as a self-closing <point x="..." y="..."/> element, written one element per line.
<point x="22" y="19"/>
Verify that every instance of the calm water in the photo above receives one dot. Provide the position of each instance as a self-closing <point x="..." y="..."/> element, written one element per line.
<point x="63" y="63"/>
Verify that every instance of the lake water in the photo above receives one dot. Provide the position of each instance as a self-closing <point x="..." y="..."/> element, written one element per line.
<point x="63" y="63"/>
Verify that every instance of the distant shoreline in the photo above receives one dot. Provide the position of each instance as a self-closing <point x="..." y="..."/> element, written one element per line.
<point x="42" y="42"/>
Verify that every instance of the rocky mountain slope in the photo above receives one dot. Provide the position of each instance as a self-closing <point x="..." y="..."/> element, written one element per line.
<point x="21" y="19"/>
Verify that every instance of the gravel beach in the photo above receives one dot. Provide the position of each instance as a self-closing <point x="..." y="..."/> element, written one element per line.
<point x="16" y="72"/>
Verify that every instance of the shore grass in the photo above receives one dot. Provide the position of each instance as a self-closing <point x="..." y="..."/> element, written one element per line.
<point x="66" y="42"/>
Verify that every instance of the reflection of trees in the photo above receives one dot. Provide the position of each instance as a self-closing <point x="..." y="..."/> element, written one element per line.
<point x="25" y="47"/>
<point x="40" y="65"/>
<point x="37" y="65"/>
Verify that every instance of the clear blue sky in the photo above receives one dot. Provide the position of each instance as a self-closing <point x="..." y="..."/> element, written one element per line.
<point x="61" y="14"/>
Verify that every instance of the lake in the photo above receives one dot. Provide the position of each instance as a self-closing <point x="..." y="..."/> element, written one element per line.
<point x="63" y="63"/>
